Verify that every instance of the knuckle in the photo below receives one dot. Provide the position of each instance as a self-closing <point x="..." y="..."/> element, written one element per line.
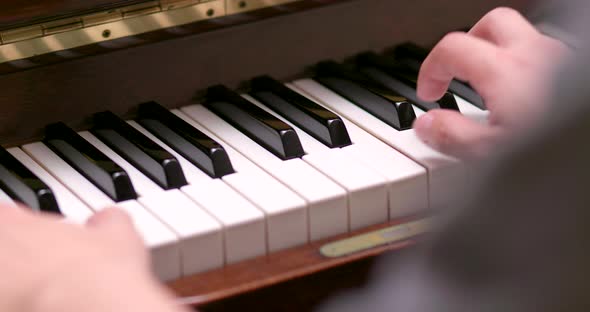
<point x="448" y="43"/>
<point x="452" y="37"/>
<point x="501" y="14"/>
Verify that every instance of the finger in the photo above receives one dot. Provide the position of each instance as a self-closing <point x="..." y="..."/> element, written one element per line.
<point x="452" y="133"/>
<point x="116" y="225"/>
<point x="504" y="27"/>
<point x="112" y="219"/>
<point x="458" y="55"/>
<point x="11" y="211"/>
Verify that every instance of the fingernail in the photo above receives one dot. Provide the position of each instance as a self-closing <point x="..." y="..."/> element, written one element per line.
<point x="423" y="126"/>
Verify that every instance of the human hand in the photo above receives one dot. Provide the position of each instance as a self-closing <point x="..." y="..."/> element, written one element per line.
<point x="49" y="265"/>
<point x="508" y="62"/>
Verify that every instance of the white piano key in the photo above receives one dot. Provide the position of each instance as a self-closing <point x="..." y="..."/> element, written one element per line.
<point x="68" y="176"/>
<point x="407" y="180"/>
<point x="285" y="212"/>
<point x="418" y="111"/>
<point x="280" y="205"/>
<point x="349" y="173"/>
<point x="142" y="184"/>
<point x="325" y="201"/>
<point x="471" y="110"/>
<point x="196" y="229"/>
<point x="445" y="173"/>
<point x="243" y="224"/>
<point x="162" y="242"/>
<point x="201" y="236"/>
<point x="71" y="207"/>
<point x="367" y="197"/>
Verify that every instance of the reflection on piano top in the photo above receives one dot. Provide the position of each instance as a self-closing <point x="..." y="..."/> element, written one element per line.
<point x="20" y="13"/>
<point x="39" y="33"/>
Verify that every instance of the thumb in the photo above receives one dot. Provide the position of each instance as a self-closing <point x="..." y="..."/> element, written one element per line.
<point x="111" y="219"/>
<point x="454" y="134"/>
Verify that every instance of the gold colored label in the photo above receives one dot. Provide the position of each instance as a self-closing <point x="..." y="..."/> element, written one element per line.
<point x="374" y="239"/>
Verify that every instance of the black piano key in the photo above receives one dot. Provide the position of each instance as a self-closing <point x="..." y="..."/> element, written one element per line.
<point x="23" y="186"/>
<point x="90" y="162"/>
<point x="389" y="106"/>
<point x="456" y="87"/>
<point x="403" y="79"/>
<point x="144" y="154"/>
<point x="262" y="127"/>
<point x="467" y="93"/>
<point x="412" y="55"/>
<point x="316" y="120"/>
<point x="192" y="144"/>
<point x="410" y="50"/>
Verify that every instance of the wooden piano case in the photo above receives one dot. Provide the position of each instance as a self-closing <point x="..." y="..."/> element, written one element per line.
<point x="44" y="80"/>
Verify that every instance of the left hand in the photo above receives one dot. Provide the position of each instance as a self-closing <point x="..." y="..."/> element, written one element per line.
<point x="49" y="265"/>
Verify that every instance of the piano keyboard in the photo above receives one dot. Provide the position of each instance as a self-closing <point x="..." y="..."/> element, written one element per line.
<point x="242" y="175"/>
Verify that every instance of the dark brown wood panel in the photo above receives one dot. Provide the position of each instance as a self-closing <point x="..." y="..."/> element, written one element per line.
<point x="303" y="294"/>
<point x="19" y="12"/>
<point x="277" y="268"/>
<point x="160" y="35"/>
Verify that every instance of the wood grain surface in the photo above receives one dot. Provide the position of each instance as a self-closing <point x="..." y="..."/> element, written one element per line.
<point x="276" y="268"/>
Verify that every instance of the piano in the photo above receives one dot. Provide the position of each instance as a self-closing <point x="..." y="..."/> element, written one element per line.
<point x="263" y="148"/>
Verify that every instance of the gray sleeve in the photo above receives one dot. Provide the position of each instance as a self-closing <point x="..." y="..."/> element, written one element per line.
<point x="561" y="19"/>
<point x="519" y="244"/>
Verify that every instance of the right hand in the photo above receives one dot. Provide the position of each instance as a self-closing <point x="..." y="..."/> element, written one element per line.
<point x="508" y="62"/>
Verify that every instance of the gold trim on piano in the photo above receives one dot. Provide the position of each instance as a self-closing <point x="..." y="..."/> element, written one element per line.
<point x="389" y="235"/>
<point x="64" y="34"/>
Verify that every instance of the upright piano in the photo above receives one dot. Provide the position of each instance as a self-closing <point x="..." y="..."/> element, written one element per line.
<point x="262" y="147"/>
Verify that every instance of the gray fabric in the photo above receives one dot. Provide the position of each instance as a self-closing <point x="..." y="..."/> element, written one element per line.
<point x="519" y="242"/>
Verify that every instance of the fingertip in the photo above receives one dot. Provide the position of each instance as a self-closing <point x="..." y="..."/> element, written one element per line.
<point x="452" y="133"/>
<point x="423" y="126"/>
<point x="109" y="217"/>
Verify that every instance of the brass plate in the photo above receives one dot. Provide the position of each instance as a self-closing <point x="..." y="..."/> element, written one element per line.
<point x="374" y="239"/>
<point x="59" y="35"/>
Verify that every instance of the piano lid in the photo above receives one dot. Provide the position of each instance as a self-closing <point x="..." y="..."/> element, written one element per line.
<point x="45" y="32"/>
<point x="16" y="14"/>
